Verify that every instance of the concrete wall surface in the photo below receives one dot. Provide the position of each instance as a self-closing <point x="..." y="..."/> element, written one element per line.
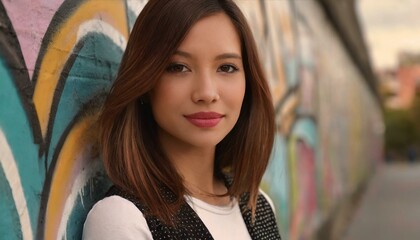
<point x="58" y="59"/>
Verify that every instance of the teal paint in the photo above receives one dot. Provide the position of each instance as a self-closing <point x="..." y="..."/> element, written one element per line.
<point x="131" y="16"/>
<point x="306" y="130"/>
<point x="88" y="78"/>
<point x="10" y="228"/>
<point x="276" y="176"/>
<point x="89" y="196"/>
<point x="17" y="130"/>
<point x="291" y="70"/>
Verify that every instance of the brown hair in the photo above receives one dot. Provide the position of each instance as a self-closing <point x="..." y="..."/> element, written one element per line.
<point x="132" y="155"/>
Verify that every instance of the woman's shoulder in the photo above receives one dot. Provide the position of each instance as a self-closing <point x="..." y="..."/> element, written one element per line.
<point x="115" y="217"/>
<point x="268" y="199"/>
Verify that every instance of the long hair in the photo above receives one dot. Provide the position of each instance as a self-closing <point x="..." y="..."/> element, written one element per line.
<point x="132" y="155"/>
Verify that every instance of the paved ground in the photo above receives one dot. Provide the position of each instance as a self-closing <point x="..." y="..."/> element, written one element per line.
<point x="390" y="208"/>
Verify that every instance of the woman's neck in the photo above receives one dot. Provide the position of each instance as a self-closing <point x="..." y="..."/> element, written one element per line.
<point x="196" y="166"/>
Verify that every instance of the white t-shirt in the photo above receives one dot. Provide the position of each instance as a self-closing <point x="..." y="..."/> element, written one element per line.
<point x="115" y="217"/>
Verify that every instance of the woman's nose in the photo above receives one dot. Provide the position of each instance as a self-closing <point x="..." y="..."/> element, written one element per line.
<point x="205" y="89"/>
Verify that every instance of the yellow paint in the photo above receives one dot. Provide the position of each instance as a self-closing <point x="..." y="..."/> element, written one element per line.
<point x="287" y="114"/>
<point x="60" y="48"/>
<point x="293" y="175"/>
<point x="75" y="143"/>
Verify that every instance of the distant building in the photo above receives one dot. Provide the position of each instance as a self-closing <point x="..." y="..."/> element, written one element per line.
<point x="400" y="86"/>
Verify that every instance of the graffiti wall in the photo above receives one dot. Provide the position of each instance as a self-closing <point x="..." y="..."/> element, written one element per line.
<point x="58" y="59"/>
<point x="329" y="125"/>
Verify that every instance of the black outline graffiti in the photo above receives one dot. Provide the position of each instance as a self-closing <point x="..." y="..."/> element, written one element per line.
<point x="11" y="51"/>
<point x="87" y="109"/>
<point x="62" y="13"/>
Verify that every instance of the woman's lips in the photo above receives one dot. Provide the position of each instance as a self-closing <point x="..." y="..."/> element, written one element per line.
<point x="204" y="119"/>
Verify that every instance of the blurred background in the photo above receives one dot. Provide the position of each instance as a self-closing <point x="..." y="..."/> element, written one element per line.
<point x="388" y="209"/>
<point x="345" y="80"/>
<point x="392" y="33"/>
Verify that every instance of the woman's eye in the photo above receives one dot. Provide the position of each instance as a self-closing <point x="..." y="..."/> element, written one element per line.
<point x="228" y="68"/>
<point x="176" y="68"/>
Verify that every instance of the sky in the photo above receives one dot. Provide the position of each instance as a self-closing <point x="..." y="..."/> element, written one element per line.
<point x="390" y="26"/>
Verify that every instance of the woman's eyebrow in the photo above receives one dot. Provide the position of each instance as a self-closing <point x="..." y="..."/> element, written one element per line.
<point x="228" y="55"/>
<point x="218" y="57"/>
<point x="182" y="53"/>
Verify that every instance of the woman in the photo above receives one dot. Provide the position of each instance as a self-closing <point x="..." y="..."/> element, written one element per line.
<point x="187" y="129"/>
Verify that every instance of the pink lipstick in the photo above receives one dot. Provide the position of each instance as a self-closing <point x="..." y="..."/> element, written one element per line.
<point x="204" y="119"/>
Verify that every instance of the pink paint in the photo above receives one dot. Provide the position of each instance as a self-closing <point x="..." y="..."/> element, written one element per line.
<point x="303" y="219"/>
<point x="30" y="19"/>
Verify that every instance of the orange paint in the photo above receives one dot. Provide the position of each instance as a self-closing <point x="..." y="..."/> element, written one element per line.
<point x="61" y="45"/>
<point x="61" y="184"/>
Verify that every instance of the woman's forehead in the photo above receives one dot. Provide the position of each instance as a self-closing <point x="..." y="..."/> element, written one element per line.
<point x="212" y="33"/>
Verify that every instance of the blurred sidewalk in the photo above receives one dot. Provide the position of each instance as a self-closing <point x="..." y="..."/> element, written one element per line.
<point x="390" y="208"/>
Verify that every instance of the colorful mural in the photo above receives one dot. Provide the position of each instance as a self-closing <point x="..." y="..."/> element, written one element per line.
<point x="325" y="145"/>
<point x="56" y="65"/>
<point x="58" y="59"/>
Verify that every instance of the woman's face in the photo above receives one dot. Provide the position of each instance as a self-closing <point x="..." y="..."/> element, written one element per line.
<point x="197" y="100"/>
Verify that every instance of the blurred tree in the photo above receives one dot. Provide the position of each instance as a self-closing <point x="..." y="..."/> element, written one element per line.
<point x="415" y="114"/>
<point x="403" y="128"/>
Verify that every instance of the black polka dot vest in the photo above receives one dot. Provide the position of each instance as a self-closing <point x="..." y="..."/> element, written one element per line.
<point x="191" y="227"/>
